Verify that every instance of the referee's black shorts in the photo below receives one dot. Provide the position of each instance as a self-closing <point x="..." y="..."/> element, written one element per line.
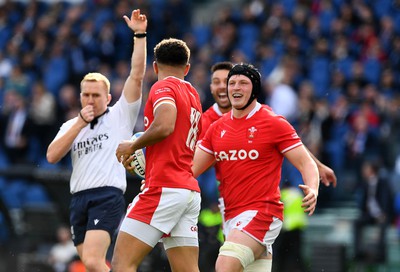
<point x="96" y="209"/>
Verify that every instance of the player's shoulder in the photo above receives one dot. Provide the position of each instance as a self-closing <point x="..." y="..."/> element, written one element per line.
<point x="170" y="85"/>
<point x="227" y="117"/>
<point x="161" y="84"/>
<point x="270" y="118"/>
<point x="210" y="111"/>
<point x="70" y="122"/>
<point x="266" y="111"/>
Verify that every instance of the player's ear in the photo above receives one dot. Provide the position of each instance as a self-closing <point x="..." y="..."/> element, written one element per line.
<point x="109" y="97"/>
<point x="187" y="68"/>
<point x="155" y="67"/>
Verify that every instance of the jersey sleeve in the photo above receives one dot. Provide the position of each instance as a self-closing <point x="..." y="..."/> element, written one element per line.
<point x="205" y="143"/>
<point x="126" y="113"/>
<point x="205" y="123"/>
<point x="286" y="137"/>
<point x="161" y="93"/>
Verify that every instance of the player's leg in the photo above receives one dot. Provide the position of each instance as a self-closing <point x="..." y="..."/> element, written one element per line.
<point x="129" y="252"/>
<point x="95" y="215"/>
<point x="184" y="258"/>
<point x="249" y="236"/>
<point x="182" y="245"/>
<point x="94" y="250"/>
<point x="135" y="238"/>
<point x="134" y="242"/>
<point x="262" y="264"/>
<point x="238" y="251"/>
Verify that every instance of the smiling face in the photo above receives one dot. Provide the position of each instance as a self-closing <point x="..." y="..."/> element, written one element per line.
<point x="218" y="89"/>
<point x="239" y="91"/>
<point x="95" y="93"/>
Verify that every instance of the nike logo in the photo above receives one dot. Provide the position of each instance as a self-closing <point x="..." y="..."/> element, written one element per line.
<point x="96" y="221"/>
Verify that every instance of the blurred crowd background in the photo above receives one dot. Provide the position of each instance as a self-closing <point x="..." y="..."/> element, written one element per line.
<point x="331" y="67"/>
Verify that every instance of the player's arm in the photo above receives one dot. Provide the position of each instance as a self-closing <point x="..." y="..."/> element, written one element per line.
<point x="60" y="146"/>
<point x="326" y="174"/>
<point x="201" y="161"/>
<point x="133" y="84"/>
<point x="302" y="160"/>
<point x="162" y="126"/>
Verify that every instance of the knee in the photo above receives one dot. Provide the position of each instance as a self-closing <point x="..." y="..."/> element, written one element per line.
<point x="118" y="266"/>
<point x="259" y="265"/>
<point x="233" y="257"/>
<point x="93" y="264"/>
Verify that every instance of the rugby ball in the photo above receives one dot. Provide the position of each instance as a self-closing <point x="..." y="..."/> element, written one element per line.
<point x="139" y="158"/>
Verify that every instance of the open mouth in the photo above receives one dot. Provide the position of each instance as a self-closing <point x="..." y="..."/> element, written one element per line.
<point x="237" y="95"/>
<point x="222" y="96"/>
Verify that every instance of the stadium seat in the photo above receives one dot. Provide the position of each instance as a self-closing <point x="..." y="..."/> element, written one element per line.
<point x="13" y="193"/>
<point x="372" y="70"/>
<point x="202" y="34"/>
<point x="319" y="75"/>
<point x="248" y="34"/>
<point x="35" y="194"/>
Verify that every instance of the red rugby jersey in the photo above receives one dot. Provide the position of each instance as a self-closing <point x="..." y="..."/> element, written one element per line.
<point x="168" y="163"/>
<point x="249" y="155"/>
<point x="211" y="115"/>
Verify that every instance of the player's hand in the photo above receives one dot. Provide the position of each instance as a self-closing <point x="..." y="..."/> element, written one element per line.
<point x="124" y="151"/>
<point x="86" y="115"/>
<point x="327" y="175"/>
<point x="127" y="164"/>
<point x="137" y="22"/>
<point x="310" y="199"/>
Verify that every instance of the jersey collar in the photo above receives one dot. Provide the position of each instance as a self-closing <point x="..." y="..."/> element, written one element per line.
<point x="253" y="111"/>
<point x="217" y="110"/>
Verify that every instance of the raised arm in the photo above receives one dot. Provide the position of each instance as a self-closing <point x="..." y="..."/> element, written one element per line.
<point x="133" y="84"/>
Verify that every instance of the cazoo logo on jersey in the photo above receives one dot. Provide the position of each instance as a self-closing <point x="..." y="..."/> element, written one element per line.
<point x="234" y="155"/>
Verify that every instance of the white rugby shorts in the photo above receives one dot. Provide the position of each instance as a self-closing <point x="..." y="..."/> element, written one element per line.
<point x="172" y="211"/>
<point x="260" y="226"/>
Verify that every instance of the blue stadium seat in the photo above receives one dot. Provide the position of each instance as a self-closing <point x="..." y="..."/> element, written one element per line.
<point x="248" y="34"/>
<point x="289" y="6"/>
<point x="326" y="18"/>
<point x="13" y="193"/>
<point x="202" y="34"/>
<point x="381" y="7"/>
<point x="3" y="183"/>
<point x="35" y="194"/>
<point x="56" y="74"/>
<point x="3" y="160"/>
<point x="267" y="65"/>
<point x="319" y="75"/>
<point x="372" y="70"/>
<point x="344" y="65"/>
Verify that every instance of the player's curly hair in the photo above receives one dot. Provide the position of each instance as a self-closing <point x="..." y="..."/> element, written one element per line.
<point x="173" y="52"/>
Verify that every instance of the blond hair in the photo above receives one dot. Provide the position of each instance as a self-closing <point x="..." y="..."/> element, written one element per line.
<point x="97" y="77"/>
